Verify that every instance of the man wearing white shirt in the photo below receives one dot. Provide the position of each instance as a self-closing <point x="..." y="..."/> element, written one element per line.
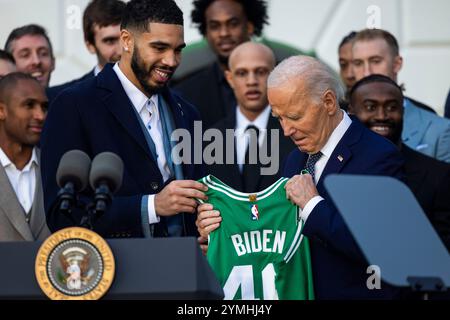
<point x="128" y="109"/>
<point x="304" y="95"/>
<point x="23" y="108"/>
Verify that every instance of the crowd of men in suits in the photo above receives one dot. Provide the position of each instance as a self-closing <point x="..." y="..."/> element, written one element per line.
<point x="127" y="105"/>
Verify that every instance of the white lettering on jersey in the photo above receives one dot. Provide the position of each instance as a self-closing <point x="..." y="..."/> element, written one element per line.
<point x="255" y="241"/>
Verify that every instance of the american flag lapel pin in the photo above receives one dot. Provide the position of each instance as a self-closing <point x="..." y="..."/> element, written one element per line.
<point x="340" y="158"/>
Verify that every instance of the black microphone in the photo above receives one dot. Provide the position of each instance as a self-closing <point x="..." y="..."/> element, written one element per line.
<point x="72" y="177"/>
<point x="105" y="178"/>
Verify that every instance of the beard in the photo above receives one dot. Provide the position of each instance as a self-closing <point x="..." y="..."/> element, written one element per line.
<point x="397" y="128"/>
<point x="142" y="74"/>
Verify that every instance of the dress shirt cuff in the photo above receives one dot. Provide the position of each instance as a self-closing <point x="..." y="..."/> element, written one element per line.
<point x="150" y="209"/>
<point x="309" y="207"/>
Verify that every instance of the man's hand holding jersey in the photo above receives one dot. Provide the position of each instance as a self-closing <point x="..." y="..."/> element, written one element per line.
<point x="178" y="196"/>
<point x="300" y="189"/>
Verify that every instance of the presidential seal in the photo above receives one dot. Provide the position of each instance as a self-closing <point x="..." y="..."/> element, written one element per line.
<point x="75" y="264"/>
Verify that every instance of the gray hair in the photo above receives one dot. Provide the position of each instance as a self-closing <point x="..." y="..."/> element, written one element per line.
<point x="317" y="76"/>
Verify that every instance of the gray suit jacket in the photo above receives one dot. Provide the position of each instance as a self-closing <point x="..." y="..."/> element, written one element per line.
<point x="426" y="132"/>
<point x="13" y="226"/>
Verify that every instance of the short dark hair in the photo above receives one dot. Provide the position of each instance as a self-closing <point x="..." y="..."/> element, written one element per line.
<point x="139" y="14"/>
<point x="348" y="38"/>
<point x="4" y="55"/>
<point x="101" y="13"/>
<point x="30" y="29"/>
<point x="8" y="82"/>
<point x="255" y="11"/>
<point x="371" y="79"/>
<point x="372" y="34"/>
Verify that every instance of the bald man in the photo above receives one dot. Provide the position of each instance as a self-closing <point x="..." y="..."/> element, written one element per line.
<point x="249" y="67"/>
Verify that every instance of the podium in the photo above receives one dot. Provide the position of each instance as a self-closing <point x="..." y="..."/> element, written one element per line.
<point x="159" y="268"/>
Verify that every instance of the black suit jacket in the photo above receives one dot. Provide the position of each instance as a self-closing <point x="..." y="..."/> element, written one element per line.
<point x="429" y="180"/>
<point x="209" y="91"/>
<point x="54" y="91"/>
<point x="230" y="174"/>
<point x="96" y="116"/>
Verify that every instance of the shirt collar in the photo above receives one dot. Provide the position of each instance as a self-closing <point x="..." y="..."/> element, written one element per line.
<point x="97" y="70"/>
<point x="337" y="135"/>
<point x="136" y="96"/>
<point x="5" y="161"/>
<point x="260" y="122"/>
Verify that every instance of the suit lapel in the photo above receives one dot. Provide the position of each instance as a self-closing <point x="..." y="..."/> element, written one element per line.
<point x="180" y="122"/>
<point x="12" y="208"/>
<point x="342" y="153"/>
<point x="117" y="102"/>
<point x="337" y="161"/>
<point x="37" y="220"/>
<point x="413" y="133"/>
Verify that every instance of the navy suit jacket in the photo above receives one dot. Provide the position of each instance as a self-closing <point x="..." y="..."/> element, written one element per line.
<point x="96" y="116"/>
<point x="54" y="91"/>
<point x="339" y="267"/>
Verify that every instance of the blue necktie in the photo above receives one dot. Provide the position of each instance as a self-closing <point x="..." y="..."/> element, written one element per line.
<point x="312" y="160"/>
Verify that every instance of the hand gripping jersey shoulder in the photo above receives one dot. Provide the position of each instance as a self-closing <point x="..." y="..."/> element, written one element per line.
<point x="258" y="252"/>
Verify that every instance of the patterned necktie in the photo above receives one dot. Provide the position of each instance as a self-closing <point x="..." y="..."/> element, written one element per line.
<point x="312" y="160"/>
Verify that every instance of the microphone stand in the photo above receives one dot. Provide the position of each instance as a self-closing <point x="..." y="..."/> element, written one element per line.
<point x="98" y="207"/>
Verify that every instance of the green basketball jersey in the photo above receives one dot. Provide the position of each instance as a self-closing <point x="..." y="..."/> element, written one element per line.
<point x="258" y="252"/>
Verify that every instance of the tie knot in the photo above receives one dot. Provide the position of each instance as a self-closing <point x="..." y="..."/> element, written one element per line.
<point x="314" y="157"/>
<point x="311" y="162"/>
<point x="252" y="129"/>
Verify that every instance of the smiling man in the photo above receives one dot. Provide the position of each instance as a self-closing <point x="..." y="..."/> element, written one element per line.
<point x="128" y="109"/>
<point x="101" y="28"/>
<point x="32" y="51"/>
<point x="376" y="51"/>
<point x="377" y="101"/>
<point x="23" y="108"/>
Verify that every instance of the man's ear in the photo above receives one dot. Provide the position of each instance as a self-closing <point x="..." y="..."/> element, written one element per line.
<point x="250" y="29"/>
<point x="3" y="112"/>
<point x="229" y="77"/>
<point x="90" y="47"/>
<point x="398" y="63"/>
<point x="330" y="102"/>
<point x="127" y="41"/>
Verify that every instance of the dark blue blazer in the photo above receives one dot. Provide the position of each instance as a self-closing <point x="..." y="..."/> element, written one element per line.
<point x="54" y="91"/>
<point x="96" y="116"/>
<point x="339" y="267"/>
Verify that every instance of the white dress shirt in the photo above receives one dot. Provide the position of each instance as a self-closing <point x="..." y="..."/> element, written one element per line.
<point x="23" y="181"/>
<point x="148" y="110"/>
<point x="327" y="150"/>
<point x="242" y="138"/>
<point x="97" y="70"/>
